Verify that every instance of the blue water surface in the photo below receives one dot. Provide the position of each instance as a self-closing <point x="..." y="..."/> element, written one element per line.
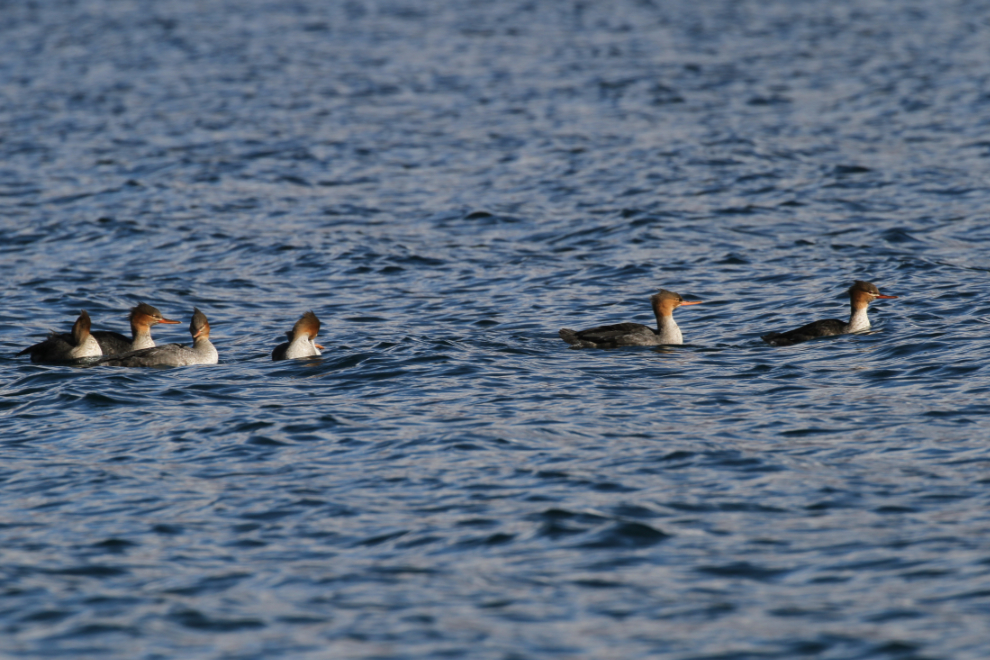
<point x="446" y="184"/>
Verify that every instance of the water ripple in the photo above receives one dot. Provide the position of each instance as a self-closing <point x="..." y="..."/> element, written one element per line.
<point x="447" y="186"/>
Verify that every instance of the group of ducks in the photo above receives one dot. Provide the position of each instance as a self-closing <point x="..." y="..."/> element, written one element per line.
<point x="861" y="294"/>
<point x="116" y="350"/>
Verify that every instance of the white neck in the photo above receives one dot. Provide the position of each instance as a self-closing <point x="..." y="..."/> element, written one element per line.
<point x="205" y="348"/>
<point x="302" y="346"/>
<point x="142" y="339"/>
<point x="669" y="332"/>
<point x="858" y="320"/>
<point x="88" y="348"/>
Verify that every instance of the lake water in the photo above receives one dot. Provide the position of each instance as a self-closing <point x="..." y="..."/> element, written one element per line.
<point x="446" y="184"/>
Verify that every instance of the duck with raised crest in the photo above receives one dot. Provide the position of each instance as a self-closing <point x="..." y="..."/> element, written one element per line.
<point x="302" y="340"/>
<point x="635" y="334"/>
<point x="66" y="347"/>
<point x="142" y="317"/>
<point x="861" y="294"/>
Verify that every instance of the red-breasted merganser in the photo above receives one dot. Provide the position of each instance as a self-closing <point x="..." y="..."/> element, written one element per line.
<point x="173" y="355"/>
<point x="65" y="347"/>
<point x="861" y="294"/>
<point x="143" y="316"/>
<point x="635" y="334"/>
<point x="301" y="342"/>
